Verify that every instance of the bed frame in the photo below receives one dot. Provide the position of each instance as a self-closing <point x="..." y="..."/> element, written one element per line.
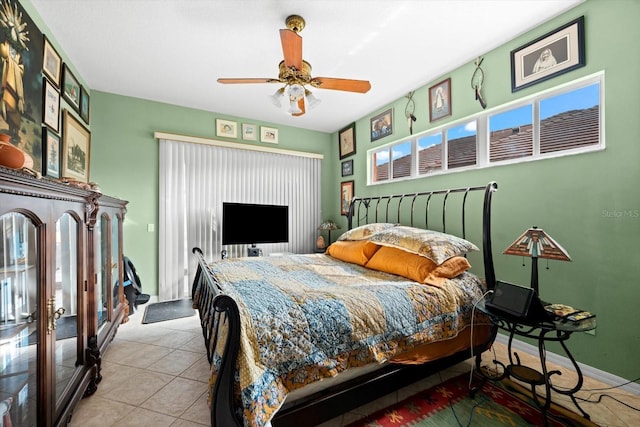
<point x="219" y="312"/>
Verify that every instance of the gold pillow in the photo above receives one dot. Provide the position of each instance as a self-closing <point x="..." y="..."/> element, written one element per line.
<point x="355" y="252"/>
<point x="415" y="267"/>
<point x="364" y="231"/>
<point x="434" y="245"/>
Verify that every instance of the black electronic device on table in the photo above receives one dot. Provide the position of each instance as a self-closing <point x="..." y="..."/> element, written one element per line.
<point x="516" y="302"/>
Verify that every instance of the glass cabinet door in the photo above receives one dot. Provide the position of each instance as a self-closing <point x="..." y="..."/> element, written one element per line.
<point x="102" y="257"/>
<point x="65" y="302"/>
<point x="115" y="270"/>
<point x="19" y="335"/>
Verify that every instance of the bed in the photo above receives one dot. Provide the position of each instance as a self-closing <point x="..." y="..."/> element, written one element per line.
<point x="310" y="336"/>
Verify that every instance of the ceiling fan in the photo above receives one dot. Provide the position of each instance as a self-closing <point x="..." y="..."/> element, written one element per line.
<point x="295" y="73"/>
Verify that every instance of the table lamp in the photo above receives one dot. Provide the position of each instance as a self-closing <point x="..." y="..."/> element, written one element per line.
<point x="328" y="225"/>
<point x="536" y="243"/>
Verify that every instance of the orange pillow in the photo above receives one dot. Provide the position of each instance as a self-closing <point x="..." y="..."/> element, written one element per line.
<point x="449" y="269"/>
<point x="415" y="267"/>
<point x="355" y="252"/>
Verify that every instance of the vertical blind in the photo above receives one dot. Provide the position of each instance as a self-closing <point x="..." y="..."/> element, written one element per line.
<point x="195" y="179"/>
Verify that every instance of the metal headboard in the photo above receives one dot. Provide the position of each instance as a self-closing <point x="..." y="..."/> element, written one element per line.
<point x="390" y="208"/>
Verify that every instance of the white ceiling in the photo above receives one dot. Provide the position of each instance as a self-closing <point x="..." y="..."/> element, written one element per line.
<point x="174" y="50"/>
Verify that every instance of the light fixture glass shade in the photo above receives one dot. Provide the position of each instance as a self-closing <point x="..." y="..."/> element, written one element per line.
<point x="535" y="242"/>
<point x="295" y="92"/>
<point x="293" y="107"/>
<point x="328" y="225"/>
<point x="312" y="101"/>
<point x="276" y="97"/>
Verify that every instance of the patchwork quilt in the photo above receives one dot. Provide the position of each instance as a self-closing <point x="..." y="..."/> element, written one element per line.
<point x="308" y="317"/>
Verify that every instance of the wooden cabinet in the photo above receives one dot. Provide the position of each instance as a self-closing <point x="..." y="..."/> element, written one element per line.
<point x="60" y="295"/>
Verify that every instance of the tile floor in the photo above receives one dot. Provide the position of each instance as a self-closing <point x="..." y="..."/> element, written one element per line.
<point x="156" y="375"/>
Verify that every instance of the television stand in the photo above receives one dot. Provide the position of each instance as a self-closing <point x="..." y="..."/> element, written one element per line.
<point x="254" y="251"/>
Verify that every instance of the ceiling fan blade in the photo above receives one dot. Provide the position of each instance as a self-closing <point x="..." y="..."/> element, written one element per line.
<point x="250" y="80"/>
<point x="291" y="48"/>
<point x="360" y="86"/>
<point x="301" y="107"/>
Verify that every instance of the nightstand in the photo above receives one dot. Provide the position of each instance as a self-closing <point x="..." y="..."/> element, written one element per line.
<point x="542" y="332"/>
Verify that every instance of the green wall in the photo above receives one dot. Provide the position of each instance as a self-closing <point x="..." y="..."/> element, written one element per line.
<point x="574" y="198"/>
<point x="580" y="200"/>
<point x="124" y="161"/>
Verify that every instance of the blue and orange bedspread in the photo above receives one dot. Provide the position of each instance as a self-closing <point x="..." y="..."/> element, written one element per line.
<point x="308" y="317"/>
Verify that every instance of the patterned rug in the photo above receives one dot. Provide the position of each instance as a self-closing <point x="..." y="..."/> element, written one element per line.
<point x="450" y="404"/>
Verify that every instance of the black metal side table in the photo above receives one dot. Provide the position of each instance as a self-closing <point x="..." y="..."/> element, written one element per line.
<point x="542" y="332"/>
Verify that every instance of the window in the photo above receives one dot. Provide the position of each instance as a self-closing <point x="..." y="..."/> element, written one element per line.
<point x="462" y="145"/>
<point x="570" y="120"/>
<point x="401" y="155"/>
<point x="430" y="153"/>
<point x="556" y="122"/>
<point x="381" y="165"/>
<point x="511" y="134"/>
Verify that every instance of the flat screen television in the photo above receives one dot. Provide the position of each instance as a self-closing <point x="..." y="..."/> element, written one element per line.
<point x="249" y="223"/>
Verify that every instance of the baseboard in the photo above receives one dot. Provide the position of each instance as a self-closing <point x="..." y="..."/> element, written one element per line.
<point x="588" y="371"/>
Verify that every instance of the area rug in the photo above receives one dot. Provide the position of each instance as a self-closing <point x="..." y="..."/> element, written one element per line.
<point x="450" y="404"/>
<point x="168" y="310"/>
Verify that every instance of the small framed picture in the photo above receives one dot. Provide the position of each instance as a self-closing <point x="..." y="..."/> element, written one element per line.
<point x="269" y="135"/>
<point x="440" y="100"/>
<point x="382" y="125"/>
<point x="347" y="141"/>
<point x="555" y="53"/>
<point x="346" y="194"/>
<point x="347" y="168"/>
<point x="76" y="144"/>
<point x="51" y="106"/>
<point x="71" y="88"/>
<point x="51" y="63"/>
<point x="84" y="104"/>
<point x="249" y="132"/>
<point x="226" y="128"/>
<point x="51" y="153"/>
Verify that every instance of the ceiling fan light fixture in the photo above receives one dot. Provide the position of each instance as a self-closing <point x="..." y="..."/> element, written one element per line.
<point x="294" y="73"/>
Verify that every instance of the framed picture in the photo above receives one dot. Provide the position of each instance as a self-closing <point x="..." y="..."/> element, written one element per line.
<point x="51" y="106"/>
<point x="347" y="141"/>
<point x="440" y="100"/>
<point x="84" y="104"/>
<point x="51" y="63"/>
<point x="76" y="144"/>
<point x="71" y="88"/>
<point x="555" y="53"/>
<point x="347" y="168"/>
<point x="51" y="153"/>
<point x="382" y="125"/>
<point x="249" y="132"/>
<point x="346" y="194"/>
<point x="21" y="52"/>
<point x="269" y="135"/>
<point x="226" y="128"/>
